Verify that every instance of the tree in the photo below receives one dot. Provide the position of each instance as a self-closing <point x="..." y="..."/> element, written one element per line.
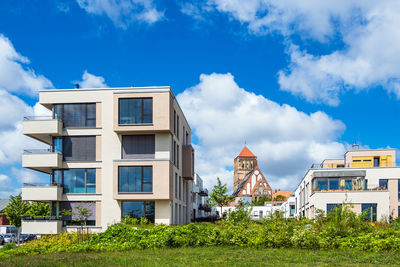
<point x="219" y="196"/>
<point x="280" y="198"/>
<point x="15" y="210"/>
<point x="260" y="201"/>
<point x="40" y="209"/>
<point x="80" y="214"/>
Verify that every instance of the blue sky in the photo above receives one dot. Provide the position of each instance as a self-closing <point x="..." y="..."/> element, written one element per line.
<point x="298" y="81"/>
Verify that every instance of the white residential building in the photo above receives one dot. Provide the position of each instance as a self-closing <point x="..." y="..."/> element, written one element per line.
<point x="369" y="179"/>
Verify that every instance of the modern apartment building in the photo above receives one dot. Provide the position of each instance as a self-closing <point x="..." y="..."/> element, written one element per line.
<point x="369" y="179"/>
<point x="116" y="151"/>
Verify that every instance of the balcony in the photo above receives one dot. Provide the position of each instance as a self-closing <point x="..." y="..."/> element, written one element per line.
<point x="41" y="192"/>
<point x="204" y="207"/>
<point x="41" y="225"/>
<point x="43" y="160"/>
<point x="203" y="193"/>
<point x="42" y="128"/>
<point x="188" y="162"/>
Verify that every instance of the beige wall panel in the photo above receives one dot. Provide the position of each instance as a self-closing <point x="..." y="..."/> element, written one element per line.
<point x="98" y="114"/>
<point x="163" y="212"/>
<point x="98" y="148"/>
<point x="99" y="181"/>
<point x="98" y="213"/>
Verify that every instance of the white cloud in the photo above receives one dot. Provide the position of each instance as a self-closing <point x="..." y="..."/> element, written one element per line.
<point x="91" y="81"/>
<point x="14" y="75"/>
<point x="124" y="12"/>
<point x="29" y="176"/>
<point x="369" y="31"/>
<point x="224" y="116"/>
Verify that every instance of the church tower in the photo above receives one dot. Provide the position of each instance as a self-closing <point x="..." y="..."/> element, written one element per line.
<point x="245" y="162"/>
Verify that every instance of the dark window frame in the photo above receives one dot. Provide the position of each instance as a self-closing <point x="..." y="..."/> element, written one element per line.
<point x="86" y="182"/>
<point x="87" y="158"/>
<point x="142" y="115"/>
<point x="145" y="203"/>
<point x="86" y="115"/>
<point x="141" y="180"/>
<point x="138" y="155"/>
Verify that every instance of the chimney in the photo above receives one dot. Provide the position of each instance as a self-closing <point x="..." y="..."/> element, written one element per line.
<point x="355" y="146"/>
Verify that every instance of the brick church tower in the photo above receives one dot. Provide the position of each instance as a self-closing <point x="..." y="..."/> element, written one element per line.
<point x="245" y="162"/>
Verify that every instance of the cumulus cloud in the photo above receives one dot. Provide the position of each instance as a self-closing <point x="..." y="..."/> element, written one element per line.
<point x="15" y="76"/>
<point x="6" y="188"/>
<point x="224" y="116"/>
<point x="124" y="12"/>
<point x="367" y="29"/>
<point x="91" y="81"/>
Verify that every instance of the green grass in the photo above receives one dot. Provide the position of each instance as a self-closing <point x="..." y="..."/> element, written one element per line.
<point x="213" y="256"/>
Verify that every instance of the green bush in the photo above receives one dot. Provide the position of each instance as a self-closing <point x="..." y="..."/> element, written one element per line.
<point x="341" y="229"/>
<point x="9" y="246"/>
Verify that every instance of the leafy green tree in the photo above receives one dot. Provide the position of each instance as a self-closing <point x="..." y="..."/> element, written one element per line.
<point x="38" y="209"/>
<point x="260" y="201"/>
<point x="15" y="210"/>
<point x="219" y="196"/>
<point x="280" y="198"/>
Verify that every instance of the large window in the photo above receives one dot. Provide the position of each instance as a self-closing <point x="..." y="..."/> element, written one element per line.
<point x="138" y="146"/>
<point x="370" y="210"/>
<point x="76" y="115"/>
<point x="135" y="110"/>
<point x="138" y="209"/>
<point x="76" y="180"/>
<point x="343" y="183"/>
<point x="383" y="183"/>
<point x="133" y="179"/>
<point x="79" y="148"/>
<point x="331" y="207"/>
<point x="74" y="219"/>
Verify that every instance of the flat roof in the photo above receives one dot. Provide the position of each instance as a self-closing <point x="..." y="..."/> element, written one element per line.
<point x="378" y="149"/>
<point x="107" y="88"/>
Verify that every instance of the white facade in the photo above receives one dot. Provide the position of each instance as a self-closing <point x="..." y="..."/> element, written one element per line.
<point x="200" y="199"/>
<point x="372" y="188"/>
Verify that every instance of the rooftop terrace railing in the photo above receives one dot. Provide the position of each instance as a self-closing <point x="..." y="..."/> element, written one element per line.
<point x="352" y="165"/>
<point x="39" y="118"/>
<point x="40" y="151"/>
<point x="362" y="188"/>
<point x="41" y="184"/>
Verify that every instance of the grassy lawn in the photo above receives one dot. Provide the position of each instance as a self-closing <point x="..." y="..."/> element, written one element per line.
<point x="214" y="256"/>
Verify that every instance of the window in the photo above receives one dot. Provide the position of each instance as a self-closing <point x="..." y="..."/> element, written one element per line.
<point x="177" y="156"/>
<point x="322" y="184"/>
<point x="177" y="126"/>
<point x="370" y="211"/>
<point x="398" y="189"/>
<point x="174" y="122"/>
<point x="79" y="148"/>
<point x="133" y="179"/>
<point x="292" y="210"/>
<point x="176" y="185"/>
<point x="333" y="184"/>
<point x="330" y="207"/>
<point x="138" y="146"/>
<point x="184" y="136"/>
<point x="76" y="115"/>
<point x="376" y="161"/>
<point x="73" y="220"/>
<point x="138" y="209"/>
<point x="135" y="110"/>
<point x="76" y="180"/>
<point x="383" y="183"/>
<point x="57" y="144"/>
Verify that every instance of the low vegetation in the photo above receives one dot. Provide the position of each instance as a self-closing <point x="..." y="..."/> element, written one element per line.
<point x="341" y="229"/>
<point x="210" y="256"/>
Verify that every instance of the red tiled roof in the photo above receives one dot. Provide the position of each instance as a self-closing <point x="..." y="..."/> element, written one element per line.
<point x="286" y="194"/>
<point x="246" y="153"/>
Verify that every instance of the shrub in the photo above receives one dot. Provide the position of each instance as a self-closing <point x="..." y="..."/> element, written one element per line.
<point x="9" y="246"/>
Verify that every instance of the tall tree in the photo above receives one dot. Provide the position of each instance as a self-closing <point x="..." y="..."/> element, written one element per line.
<point x="219" y="196"/>
<point x="15" y="210"/>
